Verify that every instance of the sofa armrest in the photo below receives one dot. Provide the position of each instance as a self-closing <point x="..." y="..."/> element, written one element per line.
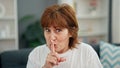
<point x="15" y="58"/>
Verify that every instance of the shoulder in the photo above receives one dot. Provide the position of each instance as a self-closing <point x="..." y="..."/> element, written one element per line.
<point x="38" y="50"/>
<point x="84" y="47"/>
<point x="89" y="54"/>
<point x="38" y="55"/>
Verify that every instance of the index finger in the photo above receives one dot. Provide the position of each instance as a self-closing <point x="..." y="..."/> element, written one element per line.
<point x="52" y="47"/>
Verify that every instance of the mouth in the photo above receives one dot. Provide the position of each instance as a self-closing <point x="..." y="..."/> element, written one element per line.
<point x="55" y="45"/>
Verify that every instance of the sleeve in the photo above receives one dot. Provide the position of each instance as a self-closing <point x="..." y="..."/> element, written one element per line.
<point x="93" y="61"/>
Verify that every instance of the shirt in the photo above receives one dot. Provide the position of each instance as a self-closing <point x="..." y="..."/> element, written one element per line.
<point x="83" y="56"/>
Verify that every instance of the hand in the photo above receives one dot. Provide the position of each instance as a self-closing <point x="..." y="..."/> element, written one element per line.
<point x="53" y="58"/>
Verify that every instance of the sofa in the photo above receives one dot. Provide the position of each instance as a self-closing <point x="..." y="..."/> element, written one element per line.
<point x="14" y="58"/>
<point x="18" y="58"/>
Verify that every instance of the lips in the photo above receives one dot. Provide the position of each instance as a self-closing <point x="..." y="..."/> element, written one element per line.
<point x="55" y="45"/>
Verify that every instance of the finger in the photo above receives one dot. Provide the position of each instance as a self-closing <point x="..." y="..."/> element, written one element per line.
<point x="62" y="59"/>
<point x="55" y="54"/>
<point x="52" y="46"/>
<point x="53" y="60"/>
<point x="53" y="50"/>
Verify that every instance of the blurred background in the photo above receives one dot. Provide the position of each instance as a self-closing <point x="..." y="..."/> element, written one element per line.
<point x="20" y="22"/>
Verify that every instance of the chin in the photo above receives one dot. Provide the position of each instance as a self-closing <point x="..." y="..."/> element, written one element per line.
<point x="59" y="52"/>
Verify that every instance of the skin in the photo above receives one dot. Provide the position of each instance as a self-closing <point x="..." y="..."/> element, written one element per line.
<point x="57" y="40"/>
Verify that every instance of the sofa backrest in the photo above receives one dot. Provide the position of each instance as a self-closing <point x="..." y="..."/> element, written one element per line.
<point x="15" y="59"/>
<point x="0" y="61"/>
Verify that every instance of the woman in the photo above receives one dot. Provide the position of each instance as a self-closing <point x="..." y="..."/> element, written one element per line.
<point x="62" y="50"/>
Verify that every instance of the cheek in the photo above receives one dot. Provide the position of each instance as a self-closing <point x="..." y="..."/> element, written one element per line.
<point x="64" y="37"/>
<point x="46" y="38"/>
<point x="46" y="35"/>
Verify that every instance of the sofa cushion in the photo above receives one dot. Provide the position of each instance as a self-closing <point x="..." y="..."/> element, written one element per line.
<point x="15" y="58"/>
<point x="109" y="55"/>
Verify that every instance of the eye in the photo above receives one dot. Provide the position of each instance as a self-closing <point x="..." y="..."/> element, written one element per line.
<point x="47" y="30"/>
<point x="58" y="30"/>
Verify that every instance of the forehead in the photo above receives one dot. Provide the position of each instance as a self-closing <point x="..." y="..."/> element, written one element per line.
<point x="56" y="24"/>
<point x="56" y="28"/>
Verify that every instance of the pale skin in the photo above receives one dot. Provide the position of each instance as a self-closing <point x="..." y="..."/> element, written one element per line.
<point x="57" y="40"/>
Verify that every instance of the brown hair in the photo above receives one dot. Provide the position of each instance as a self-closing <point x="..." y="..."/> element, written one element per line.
<point x="63" y="16"/>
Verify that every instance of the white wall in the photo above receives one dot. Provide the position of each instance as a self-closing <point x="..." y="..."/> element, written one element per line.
<point x="116" y="21"/>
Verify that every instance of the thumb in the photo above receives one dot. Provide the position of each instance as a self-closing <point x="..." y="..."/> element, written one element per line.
<point x="62" y="59"/>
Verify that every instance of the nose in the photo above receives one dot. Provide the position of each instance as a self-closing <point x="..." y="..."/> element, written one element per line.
<point x="52" y="36"/>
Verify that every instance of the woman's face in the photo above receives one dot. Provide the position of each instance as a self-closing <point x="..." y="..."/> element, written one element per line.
<point x="59" y="36"/>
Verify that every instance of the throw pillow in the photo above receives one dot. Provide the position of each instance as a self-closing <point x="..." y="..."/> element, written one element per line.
<point x="109" y="55"/>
